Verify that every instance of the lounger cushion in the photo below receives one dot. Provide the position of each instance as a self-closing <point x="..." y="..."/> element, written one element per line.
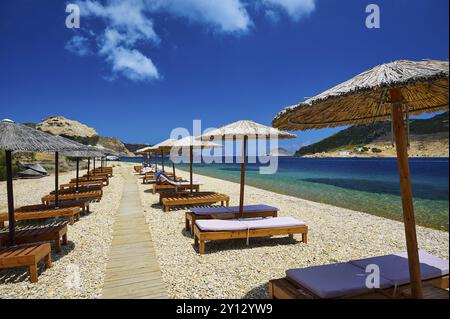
<point x="253" y="208"/>
<point x="210" y="210"/>
<point x="220" y="225"/>
<point x="275" y="222"/>
<point x="335" y="280"/>
<point x="395" y="267"/>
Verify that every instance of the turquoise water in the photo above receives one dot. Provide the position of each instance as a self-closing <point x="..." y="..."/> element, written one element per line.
<point x="367" y="185"/>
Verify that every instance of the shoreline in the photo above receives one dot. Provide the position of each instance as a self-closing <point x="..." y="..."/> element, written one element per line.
<point x="231" y="269"/>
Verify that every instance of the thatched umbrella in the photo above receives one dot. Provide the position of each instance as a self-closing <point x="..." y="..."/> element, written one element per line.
<point x="90" y="152"/>
<point x="21" y="138"/>
<point x="165" y="147"/>
<point x="243" y="130"/>
<point x="389" y="91"/>
<point x="193" y="143"/>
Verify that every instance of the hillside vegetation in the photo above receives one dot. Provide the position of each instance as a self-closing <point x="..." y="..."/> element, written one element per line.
<point x="362" y="135"/>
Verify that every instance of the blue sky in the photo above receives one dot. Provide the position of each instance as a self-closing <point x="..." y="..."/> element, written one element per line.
<point x="136" y="69"/>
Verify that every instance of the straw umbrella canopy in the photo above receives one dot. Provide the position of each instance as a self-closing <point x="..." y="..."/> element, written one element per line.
<point x="243" y="130"/>
<point x="389" y="91"/>
<point x="193" y="143"/>
<point x="88" y="153"/>
<point x="21" y="138"/>
<point x="166" y="147"/>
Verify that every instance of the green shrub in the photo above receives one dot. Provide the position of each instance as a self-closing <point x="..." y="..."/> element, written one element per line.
<point x="3" y="166"/>
<point x="376" y="150"/>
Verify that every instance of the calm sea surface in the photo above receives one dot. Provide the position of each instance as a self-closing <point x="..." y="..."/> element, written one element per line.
<point x="367" y="185"/>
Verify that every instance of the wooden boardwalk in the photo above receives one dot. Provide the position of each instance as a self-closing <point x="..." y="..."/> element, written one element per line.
<point x="133" y="269"/>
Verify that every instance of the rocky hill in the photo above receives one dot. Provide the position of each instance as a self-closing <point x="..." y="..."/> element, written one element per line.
<point x="280" y="152"/>
<point x="428" y="138"/>
<point x="59" y="125"/>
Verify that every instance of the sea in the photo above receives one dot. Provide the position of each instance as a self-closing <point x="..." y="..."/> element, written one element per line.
<point x="369" y="185"/>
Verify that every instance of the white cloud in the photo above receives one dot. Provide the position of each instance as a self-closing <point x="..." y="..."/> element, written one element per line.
<point x="296" y="9"/>
<point x="132" y="64"/>
<point x="78" y="45"/>
<point x="223" y="15"/>
<point x="129" y="24"/>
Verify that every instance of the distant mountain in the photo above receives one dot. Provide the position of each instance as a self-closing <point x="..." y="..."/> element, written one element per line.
<point x="428" y="137"/>
<point x="59" y="125"/>
<point x="134" y="147"/>
<point x="280" y="152"/>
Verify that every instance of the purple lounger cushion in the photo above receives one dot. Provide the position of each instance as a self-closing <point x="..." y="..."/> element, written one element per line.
<point x="210" y="210"/>
<point x="220" y="225"/>
<point x="395" y="267"/>
<point x="333" y="281"/>
<point x="253" y="208"/>
<point x="275" y="222"/>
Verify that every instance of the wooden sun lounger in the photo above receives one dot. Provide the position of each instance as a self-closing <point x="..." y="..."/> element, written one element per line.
<point x="104" y="180"/>
<point x="26" y="255"/>
<point x="137" y="168"/>
<point x="91" y="195"/>
<point x="347" y="280"/>
<point x="80" y="184"/>
<point x="201" y="236"/>
<point x="97" y="174"/>
<point x="81" y="189"/>
<point x="250" y="211"/>
<point x="101" y="173"/>
<point x="56" y="233"/>
<point x="73" y="213"/>
<point x="165" y="186"/>
<point x="150" y="177"/>
<point x="169" y="200"/>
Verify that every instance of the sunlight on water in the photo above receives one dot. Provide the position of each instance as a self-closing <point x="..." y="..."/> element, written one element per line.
<point x="367" y="185"/>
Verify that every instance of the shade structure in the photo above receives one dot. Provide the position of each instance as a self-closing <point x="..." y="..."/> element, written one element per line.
<point x="389" y="91"/>
<point x="366" y="97"/>
<point x="192" y="143"/>
<point x="16" y="137"/>
<point x="243" y="130"/>
<point x="90" y="151"/>
<point x="165" y="147"/>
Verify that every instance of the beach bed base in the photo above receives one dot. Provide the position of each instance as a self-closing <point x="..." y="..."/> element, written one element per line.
<point x="94" y="196"/>
<point x="26" y="255"/>
<point x="200" y="237"/>
<point x="56" y="233"/>
<point x="170" y="200"/>
<point x="284" y="288"/>
<point x="158" y="187"/>
<point x="26" y="213"/>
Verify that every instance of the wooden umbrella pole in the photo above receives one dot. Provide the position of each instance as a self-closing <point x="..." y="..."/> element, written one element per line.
<point x="78" y="171"/>
<point x="89" y="167"/>
<point x="10" y="194"/>
<point x="241" y="195"/>
<point x="56" y="179"/>
<point x="191" y="159"/>
<point x="173" y="171"/>
<point x="93" y="170"/>
<point x="162" y="160"/>
<point x="401" y="145"/>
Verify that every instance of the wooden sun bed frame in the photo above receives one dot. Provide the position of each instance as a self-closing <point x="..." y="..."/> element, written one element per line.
<point x="190" y="217"/>
<point x="56" y="233"/>
<point x="137" y="168"/>
<point x="101" y="173"/>
<point x="91" y="178"/>
<point x="284" y="288"/>
<point x="150" y="177"/>
<point x="201" y="236"/>
<point x="81" y="189"/>
<point x="80" y="184"/>
<point x="26" y="255"/>
<point x="97" y="174"/>
<point x="28" y="213"/>
<point x="171" y="199"/>
<point x="91" y="195"/>
<point x="167" y="185"/>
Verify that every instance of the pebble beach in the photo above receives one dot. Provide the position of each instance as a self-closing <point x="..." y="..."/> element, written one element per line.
<point x="229" y="269"/>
